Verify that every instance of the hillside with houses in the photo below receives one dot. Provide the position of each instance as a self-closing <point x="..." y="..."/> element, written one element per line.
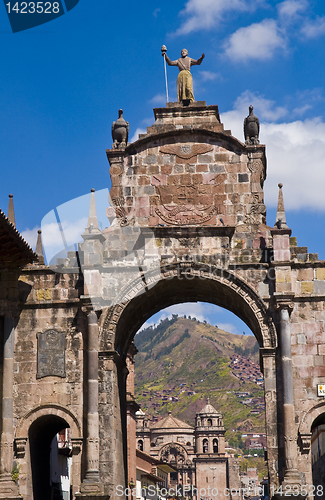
<point x="182" y="361"/>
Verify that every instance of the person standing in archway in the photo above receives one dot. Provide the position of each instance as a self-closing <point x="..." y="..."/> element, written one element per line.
<point x="184" y="80"/>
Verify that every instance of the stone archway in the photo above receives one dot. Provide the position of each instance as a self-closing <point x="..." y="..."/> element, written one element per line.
<point x="186" y="282"/>
<point x="32" y="444"/>
<point x="191" y="282"/>
<point x="309" y="419"/>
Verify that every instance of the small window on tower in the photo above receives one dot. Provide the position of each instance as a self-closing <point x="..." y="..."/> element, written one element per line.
<point x="205" y="446"/>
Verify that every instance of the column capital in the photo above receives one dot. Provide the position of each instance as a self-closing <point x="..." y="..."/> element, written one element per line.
<point x="268" y="352"/>
<point x="77" y="444"/>
<point x="115" y="357"/>
<point x="305" y="442"/>
<point x="283" y="301"/>
<point x="20" y="447"/>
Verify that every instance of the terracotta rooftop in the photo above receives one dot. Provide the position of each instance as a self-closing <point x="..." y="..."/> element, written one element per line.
<point x="171" y="422"/>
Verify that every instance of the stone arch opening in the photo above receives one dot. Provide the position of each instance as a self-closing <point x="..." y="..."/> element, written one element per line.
<point x="41" y="433"/>
<point x="39" y="426"/>
<point x="186" y="282"/>
<point x="312" y="442"/>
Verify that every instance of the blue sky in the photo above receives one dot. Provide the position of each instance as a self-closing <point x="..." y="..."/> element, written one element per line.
<point x="62" y="84"/>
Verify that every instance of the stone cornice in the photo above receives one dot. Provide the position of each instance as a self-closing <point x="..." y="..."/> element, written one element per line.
<point x="187" y="130"/>
<point x="283" y="301"/>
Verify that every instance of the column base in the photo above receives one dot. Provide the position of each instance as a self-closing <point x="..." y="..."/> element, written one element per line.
<point x="91" y="496"/>
<point x="8" y="488"/>
<point x="291" y="487"/>
<point x="289" y="497"/>
<point x="92" y="487"/>
<point x="92" y="476"/>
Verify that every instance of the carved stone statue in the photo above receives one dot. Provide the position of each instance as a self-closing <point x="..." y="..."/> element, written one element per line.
<point x="184" y="80"/>
<point x="120" y="132"/>
<point x="251" y="128"/>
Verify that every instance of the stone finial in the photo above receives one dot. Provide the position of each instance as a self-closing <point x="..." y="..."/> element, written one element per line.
<point x="120" y="132"/>
<point x="280" y="222"/>
<point x="39" y="248"/>
<point x="92" y="226"/>
<point x="11" y="210"/>
<point x="251" y="128"/>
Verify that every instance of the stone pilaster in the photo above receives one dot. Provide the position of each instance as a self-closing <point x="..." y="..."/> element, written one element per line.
<point x="8" y="488"/>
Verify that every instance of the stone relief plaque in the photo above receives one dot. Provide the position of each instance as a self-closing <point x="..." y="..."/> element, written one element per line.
<point x="50" y="354"/>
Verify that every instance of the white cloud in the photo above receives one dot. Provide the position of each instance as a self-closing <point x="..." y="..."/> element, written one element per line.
<point x="257" y="41"/>
<point x="301" y="110"/>
<point x="52" y="240"/>
<point x="156" y="12"/>
<point x="30" y="235"/>
<point x="205" y="14"/>
<point x="138" y="131"/>
<point x="229" y="327"/>
<point x="295" y="153"/>
<point x="290" y="8"/>
<point x="208" y="76"/>
<point x="158" y="99"/>
<point x="314" y="28"/>
<point x="267" y="110"/>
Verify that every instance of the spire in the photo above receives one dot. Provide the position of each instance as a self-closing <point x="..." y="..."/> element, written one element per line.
<point x="92" y="226"/>
<point x="39" y="248"/>
<point x="11" y="211"/>
<point x="281" y="222"/>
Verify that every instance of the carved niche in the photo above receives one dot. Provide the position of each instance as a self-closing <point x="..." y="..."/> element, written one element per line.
<point x="51" y="354"/>
<point x="173" y="452"/>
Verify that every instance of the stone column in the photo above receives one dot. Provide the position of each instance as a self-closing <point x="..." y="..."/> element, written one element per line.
<point x="113" y="451"/>
<point x="91" y="483"/>
<point x="291" y="475"/>
<point x="269" y="372"/>
<point x="92" y="473"/>
<point x="8" y="489"/>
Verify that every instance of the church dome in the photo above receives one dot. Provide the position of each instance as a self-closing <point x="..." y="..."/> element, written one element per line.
<point x="208" y="409"/>
<point x="171" y="422"/>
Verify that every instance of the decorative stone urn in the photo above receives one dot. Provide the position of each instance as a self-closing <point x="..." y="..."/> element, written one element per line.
<point x="120" y="132"/>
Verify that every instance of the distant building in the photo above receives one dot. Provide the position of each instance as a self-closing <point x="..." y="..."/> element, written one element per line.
<point x="196" y="453"/>
<point x="254" y="441"/>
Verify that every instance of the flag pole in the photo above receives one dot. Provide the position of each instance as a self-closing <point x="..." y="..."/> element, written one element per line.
<point x="163" y="52"/>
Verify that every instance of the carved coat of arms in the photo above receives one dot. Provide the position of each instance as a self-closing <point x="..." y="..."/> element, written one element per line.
<point x="188" y="203"/>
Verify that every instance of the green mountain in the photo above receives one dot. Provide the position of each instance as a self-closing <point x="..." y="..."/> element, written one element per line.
<point x="181" y="362"/>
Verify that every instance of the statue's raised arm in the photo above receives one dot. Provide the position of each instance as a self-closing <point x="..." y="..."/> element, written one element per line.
<point x="169" y="62"/>
<point x="184" y="80"/>
<point x="198" y="62"/>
